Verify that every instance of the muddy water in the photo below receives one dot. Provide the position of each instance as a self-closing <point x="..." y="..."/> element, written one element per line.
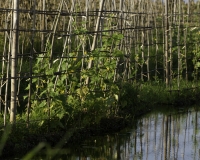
<point x="156" y="136"/>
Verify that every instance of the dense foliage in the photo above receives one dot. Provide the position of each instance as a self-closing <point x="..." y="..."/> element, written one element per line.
<point x="83" y="71"/>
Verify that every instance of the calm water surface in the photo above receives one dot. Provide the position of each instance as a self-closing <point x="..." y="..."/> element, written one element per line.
<point x="156" y="136"/>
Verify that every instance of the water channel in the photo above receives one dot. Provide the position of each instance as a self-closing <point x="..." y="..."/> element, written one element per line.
<point x="156" y="136"/>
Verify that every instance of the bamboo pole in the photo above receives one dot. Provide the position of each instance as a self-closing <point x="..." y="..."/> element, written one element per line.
<point x="156" y="38"/>
<point x="178" y="42"/>
<point x="14" y="50"/>
<point x="185" y="49"/>
<point x="185" y="41"/>
<point x="148" y="56"/>
<point x="137" y="56"/>
<point x="141" y="18"/>
<point x="54" y="27"/>
<point x="170" y="47"/>
<point x="43" y="25"/>
<point x="67" y="39"/>
<point x="166" y="44"/>
<point x="7" y="84"/>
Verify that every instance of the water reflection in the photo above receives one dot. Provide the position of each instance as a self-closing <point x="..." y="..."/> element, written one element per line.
<point x="157" y="137"/>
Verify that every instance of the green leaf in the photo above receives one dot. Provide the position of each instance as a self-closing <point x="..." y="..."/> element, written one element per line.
<point x="28" y="87"/>
<point x="64" y="77"/>
<point x="41" y="105"/>
<point x="50" y="84"/>
<point x="60" y="115"/>
<point x="24" y="97"/>
<point x="50" y="71"/>
<point x="63" y="66"/>
<point x="34" y="80"/>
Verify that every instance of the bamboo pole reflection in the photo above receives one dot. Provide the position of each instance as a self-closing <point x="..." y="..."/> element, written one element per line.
<point x="157" y="136"/>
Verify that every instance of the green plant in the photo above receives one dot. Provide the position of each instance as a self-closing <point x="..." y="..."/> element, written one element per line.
<point x="196" y="50"/>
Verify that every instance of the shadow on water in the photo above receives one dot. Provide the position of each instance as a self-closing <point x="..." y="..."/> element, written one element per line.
<point x="156" y="136"/>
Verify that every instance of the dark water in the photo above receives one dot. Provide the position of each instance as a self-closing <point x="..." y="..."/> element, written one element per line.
<point x="156" y="136"/>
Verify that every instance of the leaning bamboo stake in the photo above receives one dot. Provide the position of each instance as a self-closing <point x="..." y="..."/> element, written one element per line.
<point x="43" y="25"/>
<point x="122" y="25"/>
<point x="14" y="50"/>
<point x="49" y="99"/>
<point x="95" y="35"/>
<point x="67" y="39"/>
<point x="6" y="89"/>
<point x="54" y="30"/>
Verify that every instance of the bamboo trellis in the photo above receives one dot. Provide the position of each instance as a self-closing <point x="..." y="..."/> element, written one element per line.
<point x="155" y="41"/>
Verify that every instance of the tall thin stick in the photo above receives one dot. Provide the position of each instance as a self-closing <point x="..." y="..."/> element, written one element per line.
<point x="179" y="52"/>
<point x="14" y="51"/>
<point x="166" y="44"/>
